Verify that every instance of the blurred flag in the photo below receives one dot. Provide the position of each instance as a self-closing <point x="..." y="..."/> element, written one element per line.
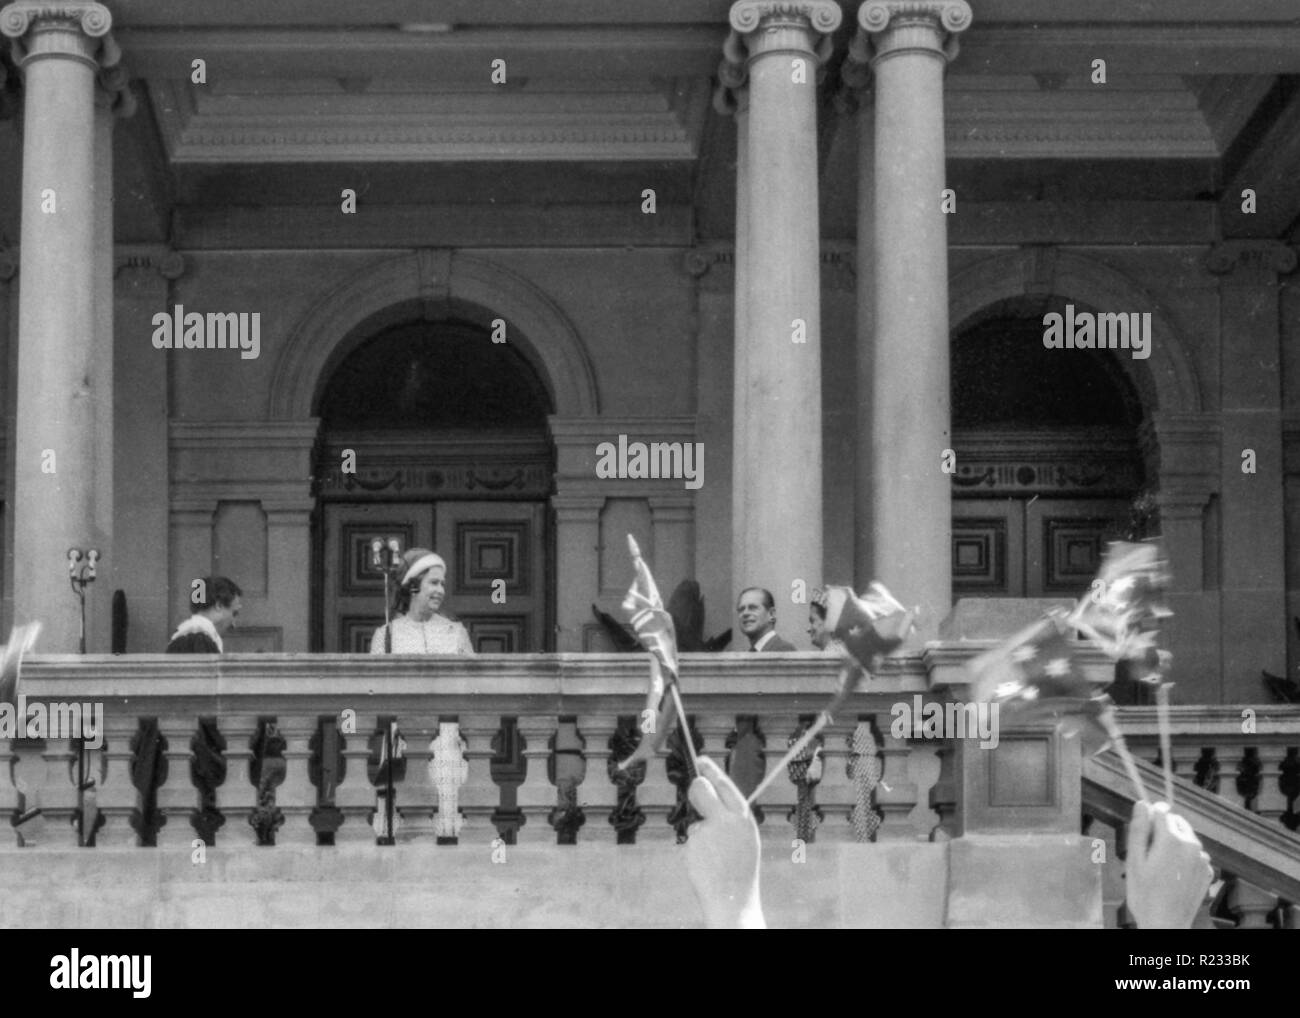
<point x="1125" y="602"/>
<point x="869" y="626"/>
<point x="1034" y="676"/>
<point x="21" y="640"/>
<point x="654" y="628"/>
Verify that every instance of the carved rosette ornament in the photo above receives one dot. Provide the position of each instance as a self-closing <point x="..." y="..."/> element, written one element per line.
<point x="77" y="30"/>
<point x="899" y="26"/>
<point x="769" y="26"/>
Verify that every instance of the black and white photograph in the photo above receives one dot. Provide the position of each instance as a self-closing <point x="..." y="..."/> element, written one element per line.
<point x="614" y="464"/>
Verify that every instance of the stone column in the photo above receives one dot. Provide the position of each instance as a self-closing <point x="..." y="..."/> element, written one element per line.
<point x="141" y="454"/>
<point x="61" y="386"/>
<point x="288" y="551"/>
<point x="113" y="98"/>
<point x="1253" y="581"/>
<point x="777" y="457"/>
<point x="910" y="499"/>
<point x="855" y="99"/>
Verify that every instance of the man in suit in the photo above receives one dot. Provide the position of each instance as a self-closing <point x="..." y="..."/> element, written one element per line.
<point x="214" y="606"/>
<point x="757" y="611"/>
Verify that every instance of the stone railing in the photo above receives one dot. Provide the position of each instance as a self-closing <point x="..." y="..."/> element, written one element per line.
<point x="288" y="750"/>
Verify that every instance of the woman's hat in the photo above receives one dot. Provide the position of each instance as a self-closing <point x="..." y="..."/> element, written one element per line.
<point x="417" y="561"/>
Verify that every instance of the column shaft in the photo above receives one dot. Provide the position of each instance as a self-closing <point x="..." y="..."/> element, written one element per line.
<point x="911" y="501"/>
<point x="777" y="482"/>
<point x="60" y="385"/>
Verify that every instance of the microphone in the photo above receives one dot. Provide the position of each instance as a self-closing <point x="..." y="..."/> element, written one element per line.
<point x="377" y="554"/>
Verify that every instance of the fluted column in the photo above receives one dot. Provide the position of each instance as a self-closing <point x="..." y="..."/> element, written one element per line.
<point x="61" y="385"/>
<point x="910" y="43"/>
<point x="777" y="458"/>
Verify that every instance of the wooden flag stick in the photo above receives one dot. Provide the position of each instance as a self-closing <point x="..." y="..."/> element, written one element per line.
<point x="684" y="728"/>
<point x="1166" y="753"/>
<point x="822" y="721"/>
<point x="1112" y="729"/>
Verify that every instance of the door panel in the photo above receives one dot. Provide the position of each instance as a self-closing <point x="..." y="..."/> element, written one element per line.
<point x="1065" y="539"/>
<point x="353" y="590"/>
<point x="988" y="547"/>
<point x="1043" y="547"/>
<point x="496" y="553"/>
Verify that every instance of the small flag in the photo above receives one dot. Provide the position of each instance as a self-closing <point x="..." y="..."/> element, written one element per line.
<point x="1125" y="602"/>
<point x="1034" y="676"/>
<point x="869" y="626"/>
<point x="654" y="628"/>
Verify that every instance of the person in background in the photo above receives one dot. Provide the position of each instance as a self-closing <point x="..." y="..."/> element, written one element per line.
<point x="214" y="605"/>
<point x="757" y="611"/>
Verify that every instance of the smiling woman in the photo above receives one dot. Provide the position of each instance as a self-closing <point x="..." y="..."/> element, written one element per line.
<point x="419" y="628"/>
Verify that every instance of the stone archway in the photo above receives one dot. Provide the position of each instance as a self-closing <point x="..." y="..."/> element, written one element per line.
<point x="437" y="280"/>
<point x="1167" y="382"/>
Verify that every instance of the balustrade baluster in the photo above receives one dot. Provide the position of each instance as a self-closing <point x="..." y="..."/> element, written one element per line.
<point x="59" y="798"/>
<point x="780" y="797"/>
<point x="354" y="796"/>
<point x="236" y="797"/>
<point x="536" y="795"/>
<point x="1271" y="802"/>
<point x="835" y="792"/>
<point x="417" y="793"/>
<point x="598" y="793"/>
<point x="447" y="772"/>
<point x="295" y="797"/>
<point x="479" y="796"/>
<point x="177" y="796"/>
<point x="1251" y="906"/>
<point x="897" y="794"/>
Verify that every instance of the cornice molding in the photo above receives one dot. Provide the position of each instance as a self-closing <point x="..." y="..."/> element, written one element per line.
<point x="656" y="121"/>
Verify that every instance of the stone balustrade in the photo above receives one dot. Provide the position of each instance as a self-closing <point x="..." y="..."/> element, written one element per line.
<point x="293" y="751"/>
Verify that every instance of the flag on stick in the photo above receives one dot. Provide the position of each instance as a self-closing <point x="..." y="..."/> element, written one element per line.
<point x="1034" y="676"/>
<point x="654" y="628"/>
<point x="869" y="626"/>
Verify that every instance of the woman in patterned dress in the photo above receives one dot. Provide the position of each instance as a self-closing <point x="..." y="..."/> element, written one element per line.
<point x="418" y="627"/>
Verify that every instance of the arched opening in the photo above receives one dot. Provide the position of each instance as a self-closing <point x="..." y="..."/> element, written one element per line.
<point x="434" y="435"/>
<point x="1049" y="465"/>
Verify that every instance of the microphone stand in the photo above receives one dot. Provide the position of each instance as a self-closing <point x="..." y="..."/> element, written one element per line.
<point x="79" y="583"/>
<point x="389" y="743"/>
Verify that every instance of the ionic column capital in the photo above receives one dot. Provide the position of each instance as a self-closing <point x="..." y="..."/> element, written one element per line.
<point x="73" y="30"/>
<point x="926" y="26"/>
<point x="786" y="26"/>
